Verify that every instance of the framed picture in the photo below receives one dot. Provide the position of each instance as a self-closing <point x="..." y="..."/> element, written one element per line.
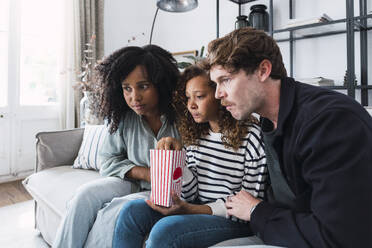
<point x="186" y="58"/>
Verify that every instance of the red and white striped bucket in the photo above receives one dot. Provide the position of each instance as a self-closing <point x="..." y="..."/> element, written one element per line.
<point x="166" y="175"/>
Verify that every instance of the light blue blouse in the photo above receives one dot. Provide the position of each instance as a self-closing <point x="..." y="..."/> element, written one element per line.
<point x="130" y="146"/>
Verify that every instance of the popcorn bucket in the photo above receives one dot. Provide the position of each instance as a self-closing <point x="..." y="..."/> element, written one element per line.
<point x="166" y="175"/>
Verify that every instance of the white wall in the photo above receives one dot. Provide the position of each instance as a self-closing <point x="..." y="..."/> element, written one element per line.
<point x="173" y="31"/>
<point x="325" y="56"/>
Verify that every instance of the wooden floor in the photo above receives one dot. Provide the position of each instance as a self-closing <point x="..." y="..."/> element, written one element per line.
<point x="13" y="192"/>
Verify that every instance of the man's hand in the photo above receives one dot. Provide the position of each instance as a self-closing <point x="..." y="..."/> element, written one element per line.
<point x="241" y="204"/>
<point x="178" y="207"/>
<point x="169" y="143"/>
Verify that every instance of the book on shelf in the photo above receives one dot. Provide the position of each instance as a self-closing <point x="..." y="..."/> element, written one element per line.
<point x="317" y="81"/>
<point x="305" y="21"/>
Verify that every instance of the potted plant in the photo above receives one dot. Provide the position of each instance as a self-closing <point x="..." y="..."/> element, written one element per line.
<point x="195" y="59"/>
<point x="89" y="103"/>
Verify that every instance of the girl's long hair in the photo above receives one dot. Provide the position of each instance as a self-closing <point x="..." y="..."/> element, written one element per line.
<point x="231" y="129"/>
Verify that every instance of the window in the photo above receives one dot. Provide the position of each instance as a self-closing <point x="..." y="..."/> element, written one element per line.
<point x="35" y="46"/>
<point x="4" y="26"/>
<point x="38" y="52"/>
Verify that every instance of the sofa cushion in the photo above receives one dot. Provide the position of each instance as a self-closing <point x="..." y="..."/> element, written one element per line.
<point x="94" y="136"/>
<point x="49" y="187"/>
<point x="369" y="109"/>
<point x="55" y="148"/>
<point x="252" y="240"/>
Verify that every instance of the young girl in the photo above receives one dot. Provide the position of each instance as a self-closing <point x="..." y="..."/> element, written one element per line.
<point x="137" y="85"/>
<point x="223" y="157"/>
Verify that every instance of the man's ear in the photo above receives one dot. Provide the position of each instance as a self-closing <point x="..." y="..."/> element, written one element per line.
<point x="264" y="70"/>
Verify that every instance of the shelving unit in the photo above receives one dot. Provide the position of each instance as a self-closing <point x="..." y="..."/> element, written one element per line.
<point x="348" y="25"/>
<point x="240" y="3"/>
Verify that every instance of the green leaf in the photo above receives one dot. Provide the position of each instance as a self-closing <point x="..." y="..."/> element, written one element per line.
<point x="202" y="51"/>
<point x="183" y="65"/>
<point x="190" y="57"/>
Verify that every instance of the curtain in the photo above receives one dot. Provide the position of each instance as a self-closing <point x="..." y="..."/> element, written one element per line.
<point x="68" y="63"/>
<point x="91" y="25"/>
<point x="81" y="19"/>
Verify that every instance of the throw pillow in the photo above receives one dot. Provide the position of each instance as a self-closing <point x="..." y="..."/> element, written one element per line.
<point x="94" y="136"/>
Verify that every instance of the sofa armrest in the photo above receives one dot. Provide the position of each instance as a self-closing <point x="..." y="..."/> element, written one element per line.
<point x="369" y="109"/>
<point x="57" y="148"/>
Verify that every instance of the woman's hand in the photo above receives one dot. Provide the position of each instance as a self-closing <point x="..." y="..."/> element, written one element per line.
<point x="169" y="143"/>
<point x="180" y="207"/>
<point x="140" y="173"/>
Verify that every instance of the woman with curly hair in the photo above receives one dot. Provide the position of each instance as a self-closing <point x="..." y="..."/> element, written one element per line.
<point x="136" y="90"/>
<point x="223" y="156"/>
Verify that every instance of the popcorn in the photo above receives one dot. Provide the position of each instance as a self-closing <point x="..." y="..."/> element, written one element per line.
<point x="166" y="175"/>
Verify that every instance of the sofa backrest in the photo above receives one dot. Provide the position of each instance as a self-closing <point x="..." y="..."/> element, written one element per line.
<point x="57" y="148"/>
<point x="369" y="109"/>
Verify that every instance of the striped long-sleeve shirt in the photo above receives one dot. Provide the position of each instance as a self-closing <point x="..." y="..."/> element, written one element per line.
<point x="214" y="172"/>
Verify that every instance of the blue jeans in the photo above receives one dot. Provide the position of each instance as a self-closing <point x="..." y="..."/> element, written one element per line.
<point x="82" y="210"/>
<point x="137" y="219"/>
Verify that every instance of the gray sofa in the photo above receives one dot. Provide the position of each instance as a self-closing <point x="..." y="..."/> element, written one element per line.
<point x="54" y="182"/>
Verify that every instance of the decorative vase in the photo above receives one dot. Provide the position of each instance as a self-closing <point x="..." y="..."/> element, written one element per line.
<point x="87" y="110"/>
<point x="84" y="107"/>
<point x="241" y="22"/>
<point x="259" y="18"/>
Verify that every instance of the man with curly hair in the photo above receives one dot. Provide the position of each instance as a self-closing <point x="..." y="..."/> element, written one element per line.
<point x="318" y="144"/>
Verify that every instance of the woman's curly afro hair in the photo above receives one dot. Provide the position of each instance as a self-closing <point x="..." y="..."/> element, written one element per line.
<point x="161" y="71"/>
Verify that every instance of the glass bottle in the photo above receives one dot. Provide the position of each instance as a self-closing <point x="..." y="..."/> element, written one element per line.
<point x="241" y="21"/>
<point x="259" y="18"/>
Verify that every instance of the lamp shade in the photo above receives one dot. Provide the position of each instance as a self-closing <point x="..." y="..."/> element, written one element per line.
<point x="177" y="5"/>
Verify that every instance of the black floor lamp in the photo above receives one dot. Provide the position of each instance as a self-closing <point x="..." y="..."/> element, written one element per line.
<point x="173" y="6"/>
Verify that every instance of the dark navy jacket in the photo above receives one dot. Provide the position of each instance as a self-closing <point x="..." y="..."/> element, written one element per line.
<point x="324" y="145"/>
